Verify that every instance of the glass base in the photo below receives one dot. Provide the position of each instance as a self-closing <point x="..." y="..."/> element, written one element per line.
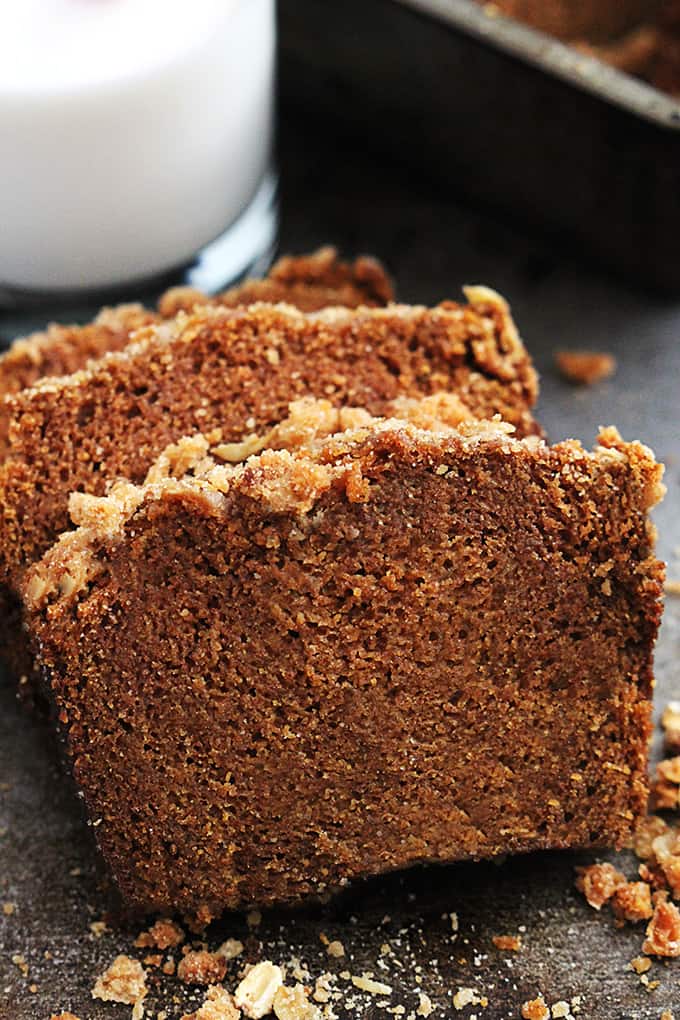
<point x="246" y="248"/>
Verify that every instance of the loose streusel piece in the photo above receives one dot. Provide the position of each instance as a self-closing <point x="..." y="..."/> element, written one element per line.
<point x="585" y="367"/>
<point x="164" y="934"/>
<point x="670" y="721"/>
<point x="255" y="994"/>
<point x="199" y="967"/>
<point x="599" y="882"/>
<point x="123" y="981"/>
<point x="217" y="1005"/>
<point x="535" y="1009"/>
<point x="663" y="931"/>
<point x="293" y="1004"/>
<point x="511" y="943"/>
<point x="632" y="902"/>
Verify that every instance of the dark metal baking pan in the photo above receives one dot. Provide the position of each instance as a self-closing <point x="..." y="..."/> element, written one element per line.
<point x="501" y="114"/>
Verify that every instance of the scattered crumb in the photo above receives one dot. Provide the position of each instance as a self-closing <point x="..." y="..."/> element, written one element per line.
<point x="425" y="1005"/>
<point x="98" y="928"/>
<point x="293" y="1004"/>
<point x="666" y="1015"/>
<point x="200" y="967"/>
<point x="8" y="909"/>
<point x="164" y="934"/>
<point x="640" y="964"/>
<point x="123" y="981"/>
<point x="365" y="983"/>
<point x="536" y="1009"/>
<point x="598" y="883"/>
<point x="20" y="961"/>
<point x="255" y="994"/>
<point x="669" y="770"/>
<point x="153" y="960"/>
<point x="511" y="943"/>
<point x="666" y="785"/>
<point x="647" y="831"/>
<point x="665" y="861"/>
<point x="169" y="966"/>
<point x="230" y="949"/>
<point x="335" y="949"/>
<point x="585" y="367"/>
<point x="64" y="1016"/>
<point x="670" y="719"/>
<point x="322" y="988"/>
<point x="663" y="931"/>
<point x="560" y="1010"/>
<point x="217" y="1005"/>
<point x="632" y="902"/>
<point x="466" y="997"/>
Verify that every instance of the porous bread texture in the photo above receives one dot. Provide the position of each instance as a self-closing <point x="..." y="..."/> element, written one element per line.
<point x="308" y="282"/>
<point x="61" y="350"/>
<point x="239" y="369"/>
<point x="379" y="647"/>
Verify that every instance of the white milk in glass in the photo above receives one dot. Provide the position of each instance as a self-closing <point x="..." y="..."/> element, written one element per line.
<point x="133" y="133"/>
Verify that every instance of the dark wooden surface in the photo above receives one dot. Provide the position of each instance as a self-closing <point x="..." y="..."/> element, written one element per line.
<point x="432" y="245"/>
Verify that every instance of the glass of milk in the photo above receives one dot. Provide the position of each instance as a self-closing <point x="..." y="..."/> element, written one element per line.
<point x="135" y="144"/>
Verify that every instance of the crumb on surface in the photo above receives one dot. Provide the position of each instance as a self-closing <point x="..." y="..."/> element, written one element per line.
<point x="585" y="368"/>
<point x="535" y="1009"/>
<point x="632" y="902"/>
<point x="8" y="909"/>
<point x="510" y="943"/>
<point x="255" y="994"/>
<point x="670" y="720"/>
<point x="425" y="1005"/>
<point x="64" y="1016"/>
<point x="293" y="1004"/>
<point x="230" y="949"/>
<point x="199" y="967"/>
<point x="335" y="949"/>
<point x="466" y="997"/>
<point x="598" y="883"/>
<point x="19" y="960"/>
<point x="163" y="934"/>
<point x="123" y="981"/>
<point x="217" y="1005"/>
<point x="663" y="931"/>
<point x="365" y="983"/>
<point x="648" y="829"/>
<point x="665" y="859"/>
<point x="640" y="964"/>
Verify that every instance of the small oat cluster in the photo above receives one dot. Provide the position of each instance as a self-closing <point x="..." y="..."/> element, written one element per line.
<point x="538" y="1009"/>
